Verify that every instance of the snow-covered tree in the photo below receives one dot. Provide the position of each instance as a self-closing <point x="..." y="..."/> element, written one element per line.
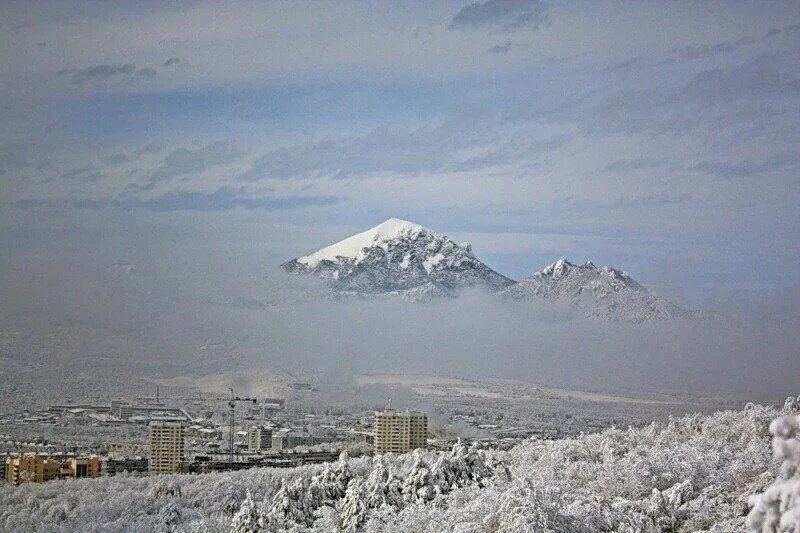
<point x="293" y="503"/>
<point x="330" y="485"/>
<point x="418" y="485"/>
<point x="246" y="519"/>
<point x="383" y="488"/>
<point x="777" y="509"/>
<point x="169" y="516"/>
<point x="353" y="508"/>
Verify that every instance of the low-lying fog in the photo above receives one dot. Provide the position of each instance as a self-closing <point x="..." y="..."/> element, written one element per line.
<point x="184" y="316"/>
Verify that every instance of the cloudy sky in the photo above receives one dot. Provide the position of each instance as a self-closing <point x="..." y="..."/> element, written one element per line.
<point x="661" y="138"/>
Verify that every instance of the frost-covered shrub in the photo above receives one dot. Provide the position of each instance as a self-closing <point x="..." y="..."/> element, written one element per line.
<point x="387" y="486"/>
<point x="777" y="509"/>
<point x="246" y="519"/>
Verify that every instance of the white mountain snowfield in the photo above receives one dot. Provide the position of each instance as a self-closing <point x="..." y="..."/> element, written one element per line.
<point x="401" y="258"/>
<point x="352" y="247"/>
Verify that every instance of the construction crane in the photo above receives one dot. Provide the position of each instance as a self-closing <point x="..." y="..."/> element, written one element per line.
<point x="232" y="406"/>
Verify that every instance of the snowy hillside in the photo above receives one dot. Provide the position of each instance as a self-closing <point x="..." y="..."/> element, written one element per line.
<point x="399" y="258"/>
<point x="695" y="473"/>
<point x="603" y="293"/>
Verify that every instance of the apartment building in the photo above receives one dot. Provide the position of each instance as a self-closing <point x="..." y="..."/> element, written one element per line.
<point x="259" y="438"/>
<point x="400" y="431"/>
<point x="31" y="468"/>
<point x="81" y="467"/>
<point x="167" y="444"/>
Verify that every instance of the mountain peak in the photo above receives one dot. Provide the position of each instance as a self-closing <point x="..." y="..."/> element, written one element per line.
<point x="398" y="224"/>
<point x="399" y="257"/>
<point x="556" y="269"/>
<point x="351" y="247"/>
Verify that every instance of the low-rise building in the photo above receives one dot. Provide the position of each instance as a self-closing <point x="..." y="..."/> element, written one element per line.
<point x="31" y="468"/>
<point x="81" y="467"/>
<point x="285" y="438"/>
<point x="133" y="465"/>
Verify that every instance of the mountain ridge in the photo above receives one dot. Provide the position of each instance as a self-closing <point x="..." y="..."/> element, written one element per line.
<point x="398" y="258"/>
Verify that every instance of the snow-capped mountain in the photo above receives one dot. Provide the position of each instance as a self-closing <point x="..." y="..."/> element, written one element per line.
<point x="603" y="293"/>
<point x="401" y="258"/>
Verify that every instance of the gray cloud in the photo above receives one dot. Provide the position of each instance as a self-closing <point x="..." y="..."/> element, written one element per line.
<point x="783" y="30"/>
<point x="681" y="53"/>
<point x="410" y="153"/>
<point x="221" y="199"/>
<point x="515" y="151"/>
<point x="753" y="94"/>
<point x="725" y="169"/>
<point x="636" y="164"/>
<point x="107" y="73"/>
<point x="100" y="73"/>
<point x="500" y="48"/>
<point x="13" y="155"/>
<point x="761" y="76"/>
<point x="703" y="51"/>
<point x="85" y="174"/>
<point x="746" y="169"/>
<point x="713" y="111"/>
<point x="183" y="162"/>
<point x="503" y="15"/>
<point x="116" y="159"/>
<point x="149" y="148"/>
<point x="632" y="64"/>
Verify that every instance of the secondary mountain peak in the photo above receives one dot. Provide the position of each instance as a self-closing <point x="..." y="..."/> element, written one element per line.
<point x="605" y="293"/>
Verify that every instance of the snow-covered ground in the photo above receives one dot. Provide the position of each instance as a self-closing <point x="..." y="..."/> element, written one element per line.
<point x="695" y="473"/>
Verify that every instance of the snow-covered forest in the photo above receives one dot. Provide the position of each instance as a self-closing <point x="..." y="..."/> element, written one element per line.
<point x="715" y="473"/>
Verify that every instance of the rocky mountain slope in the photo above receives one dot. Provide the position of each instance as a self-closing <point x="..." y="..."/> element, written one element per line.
<point x="603" y="293"/>
<point x="401" y="258"/>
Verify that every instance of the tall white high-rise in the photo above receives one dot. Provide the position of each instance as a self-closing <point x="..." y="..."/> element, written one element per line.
<point x="400" y="432"/>
<point x="167" y="443"/>
<point x="259" y="438"/>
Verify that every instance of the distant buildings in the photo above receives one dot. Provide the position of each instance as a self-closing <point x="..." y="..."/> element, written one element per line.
<point x="33" y="468"/>
<point x="400" y="432"/>
<point x="81" y="467"/>
<point x="121" y="409"/>
<point x="134" y="465"/>
<point x="259" y="438"/>
<point x="273" y="404"/>
<point x="285" y="438"/>
<point x="121" y="412"/>
<point x="167" y="444"/>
